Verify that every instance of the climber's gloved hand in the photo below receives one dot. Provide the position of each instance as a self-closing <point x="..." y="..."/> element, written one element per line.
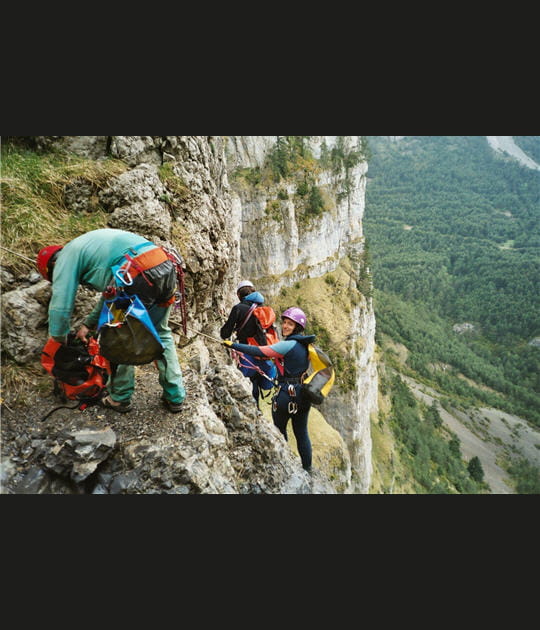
<point x="227" y="342"/>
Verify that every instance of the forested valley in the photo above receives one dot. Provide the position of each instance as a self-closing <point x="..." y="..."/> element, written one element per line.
<point x="452" y="229"/>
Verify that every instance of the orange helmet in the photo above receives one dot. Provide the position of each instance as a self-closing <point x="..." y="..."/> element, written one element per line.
<point x="44" y="258"/>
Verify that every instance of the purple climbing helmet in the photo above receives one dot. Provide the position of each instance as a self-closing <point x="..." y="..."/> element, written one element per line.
<point x="296" y="314"/>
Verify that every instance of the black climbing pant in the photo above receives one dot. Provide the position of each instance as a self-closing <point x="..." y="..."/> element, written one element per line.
<point x="283" y="410"/>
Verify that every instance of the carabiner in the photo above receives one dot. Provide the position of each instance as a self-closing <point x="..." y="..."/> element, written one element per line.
<point x="292" y="408"/>
<point x="121" y="275"/>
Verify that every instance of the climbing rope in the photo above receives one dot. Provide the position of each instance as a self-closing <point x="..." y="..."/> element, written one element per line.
<point x="32" y="260"/>
<point x="235" y="354"/>
<point x="56" y="409"/>
<point x="180" y="301"/>
<point x="237" y="358"/>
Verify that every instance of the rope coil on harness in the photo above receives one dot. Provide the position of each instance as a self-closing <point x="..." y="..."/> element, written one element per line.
<point x="237" y="358"/>
<point x="180" y="296"/>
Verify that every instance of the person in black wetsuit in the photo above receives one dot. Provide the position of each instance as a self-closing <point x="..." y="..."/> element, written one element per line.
<point x="246" y="329"/>
<point x="238" y="314"/>
<point x="291" y="356"/>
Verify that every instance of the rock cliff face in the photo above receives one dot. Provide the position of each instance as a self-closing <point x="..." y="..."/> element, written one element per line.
<point x="191" y="191"/>
<point x="277" y="243"/>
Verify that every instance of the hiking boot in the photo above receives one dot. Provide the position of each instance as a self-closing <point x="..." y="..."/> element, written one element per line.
<point x="172" y="407"/>
<point x="121" y="407"/>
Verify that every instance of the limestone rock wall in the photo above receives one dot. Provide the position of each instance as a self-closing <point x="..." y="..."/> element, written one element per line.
<point x="277" y="245"/>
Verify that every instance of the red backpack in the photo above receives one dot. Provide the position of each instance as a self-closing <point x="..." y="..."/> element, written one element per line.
<point x="265" y="316"/>
<point x="80" y="372"/>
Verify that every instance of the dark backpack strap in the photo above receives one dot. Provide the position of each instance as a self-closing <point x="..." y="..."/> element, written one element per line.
<point x="248" y="315"/>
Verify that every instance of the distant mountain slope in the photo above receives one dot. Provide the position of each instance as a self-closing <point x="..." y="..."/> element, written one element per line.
<point x="506" y="144"/>
<point x="452" y="226"/>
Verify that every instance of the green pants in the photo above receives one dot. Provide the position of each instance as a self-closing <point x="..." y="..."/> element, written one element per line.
<point x="122" y="385"/>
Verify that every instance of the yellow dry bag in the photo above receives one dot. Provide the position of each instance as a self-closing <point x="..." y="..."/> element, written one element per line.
<point x="319" y="383"/>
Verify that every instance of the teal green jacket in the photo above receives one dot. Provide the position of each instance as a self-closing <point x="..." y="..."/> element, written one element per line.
<point x="87" y="261"/>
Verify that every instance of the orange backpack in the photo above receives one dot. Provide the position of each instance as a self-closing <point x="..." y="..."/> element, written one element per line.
<point x="80" y="372"/>
<point x="265" y="316"/>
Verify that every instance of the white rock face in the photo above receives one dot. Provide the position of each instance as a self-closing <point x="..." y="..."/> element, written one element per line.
<point x="272" y="246"/>
<point x="248" y="151"/>
<point x="133" y="199"/>
<point x="350" y="412"/>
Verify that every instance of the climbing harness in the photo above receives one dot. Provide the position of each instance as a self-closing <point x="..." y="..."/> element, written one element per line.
<point x="288" y="383"/>
<point x="242" y="361"/>
<point x="126" y="332"/>
<point x="293" y="405"/>
<point x="131" y="267"/>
